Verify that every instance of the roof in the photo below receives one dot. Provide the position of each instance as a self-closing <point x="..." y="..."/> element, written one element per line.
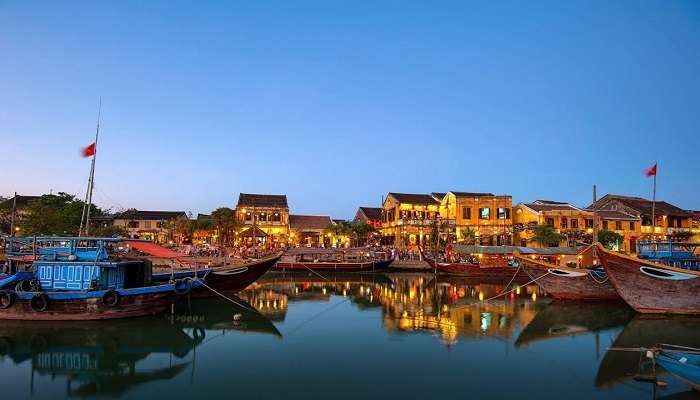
<point x="371" y="212"/>
<point x="615" y="214"/>
<point x="413" y="198"/>
<point x="438" y="195"/>
<point x="259" y="233"/>
<point x="472" y="194"/>
<point x="301" y="222"/>
<point x="22" y="201"/>
<point x="642" y="205"/>
<point x="262" y="200"/>
<point x="696" y="215"/>
<point x="547" y="205"/>
<point x="150" y="215"/>
<point x="204" y="217"/>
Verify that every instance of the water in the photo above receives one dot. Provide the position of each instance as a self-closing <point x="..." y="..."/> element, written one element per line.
<point x="355" y="337"/>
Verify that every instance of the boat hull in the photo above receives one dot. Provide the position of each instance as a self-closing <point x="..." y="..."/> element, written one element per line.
<point x="633" y="279"/>
<point x="473" y="270"/>
<point x="339" y="267"/>
<point x="569" y="287"/>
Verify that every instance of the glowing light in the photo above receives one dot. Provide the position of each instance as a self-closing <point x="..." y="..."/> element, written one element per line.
<point x="534" y="296"/>
<point x="517" y="290"/>
<point x="481" y="296"/>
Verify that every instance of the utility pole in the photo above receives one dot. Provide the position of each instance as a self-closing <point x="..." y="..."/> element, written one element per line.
<point x="595" y="216"/>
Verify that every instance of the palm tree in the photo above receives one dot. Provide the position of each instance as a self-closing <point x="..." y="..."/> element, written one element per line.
<point x="468" y="235"/>
<point x="546" y="236"/>
<point x="226" y="225"/>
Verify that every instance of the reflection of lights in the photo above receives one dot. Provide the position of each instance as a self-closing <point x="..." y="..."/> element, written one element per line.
<point x="296" y="290"/>
<point x="534" y="296"/>
<point x="345" y="292"/>
<point x="517" y="289"/>
<point x="481" y="296"/>
<point x="485" y="321"/>
<point x="323" y="290"/>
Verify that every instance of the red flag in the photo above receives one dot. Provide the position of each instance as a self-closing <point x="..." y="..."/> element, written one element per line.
<point x="651" y="171"/>
<point x="90" y="150"/>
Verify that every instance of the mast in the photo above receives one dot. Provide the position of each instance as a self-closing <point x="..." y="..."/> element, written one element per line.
<point x="12" y="220"/>
<point x="595" y="217"/>
<point x="653" y="202"/>
<point x="91" y="182"/>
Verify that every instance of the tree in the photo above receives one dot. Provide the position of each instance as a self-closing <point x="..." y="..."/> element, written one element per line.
<point x="468" y="236"/>
<point x="54" y="214"/>
<point x="609" y="238"/>
<point x="109" y="231"/>
<point x="361" y="231"/>
<point x="546" y="236"/>
<point x="226" y="225"/>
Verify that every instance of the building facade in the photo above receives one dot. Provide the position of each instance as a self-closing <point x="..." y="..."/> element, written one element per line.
<point x="310" y="230"/>
<point x="408" y="219"/>
<point x="479" y="218"/>
<point x="571" y="222"/>
<point x="370" y="215"/>
<point x="269" y="213"/>
<point x="157" y="226"/>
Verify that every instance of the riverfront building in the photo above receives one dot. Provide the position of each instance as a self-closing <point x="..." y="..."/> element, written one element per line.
<point x="571" y="222"/>
<point x="480" y="218"/>
<point x="269" y="213"/>
<point x="370" y="215"/>
<point x="310" y="230"/>
<point x="156" y="226"/>
<point x="407" y="218"/>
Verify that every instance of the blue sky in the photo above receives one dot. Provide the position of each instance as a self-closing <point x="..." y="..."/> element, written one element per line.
<point x="336" y="103"/>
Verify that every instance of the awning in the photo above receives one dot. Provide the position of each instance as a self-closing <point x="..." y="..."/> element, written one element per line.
<point x="259" y="233"/>
<point x="152" y="249"/>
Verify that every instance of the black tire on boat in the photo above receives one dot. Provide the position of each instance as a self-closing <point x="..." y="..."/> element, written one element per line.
<point x="7" y="299"/>
<point x="188" y="286"/>
<point x="39" y="302"/>
<point x="198" y="334"/>
<point x="110" y="298"/>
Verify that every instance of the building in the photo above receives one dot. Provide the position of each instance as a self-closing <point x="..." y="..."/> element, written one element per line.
<point x="268" y="212"/>
<point x="18" y="203"/>
<point x="629" y="226"/>
<point x="571" y="222"/>
<point x="671" y="222"/>
<point x="310" y="230"/>
<point x="157" y="226"/>
<point x="696" y="227"/>
<point x="370" y="216"/>
<point x="408" y="218"/>
<point x="481" y="218"/>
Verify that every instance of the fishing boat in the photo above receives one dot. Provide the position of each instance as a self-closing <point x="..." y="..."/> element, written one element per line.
<point x="567" y="283"/>
<point x="340" y="260"/>
<point x="671" y="253"/>
<point x="652" y="288"/>
<point x="75" y="278"/>
<point x="681" y="362"/>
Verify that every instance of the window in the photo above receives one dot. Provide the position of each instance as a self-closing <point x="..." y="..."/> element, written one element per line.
<point x="248" y="216"/>
<point x="549" y="221"/>
<point x="605" y="225"/>
<point x="589" y="223"/>
<point x="564" y="222"/>
<point x="574" y="223"/>
<point x="160" y="224"/>
<point x="466" y="213"/>
<point x="618" y="225"/>
<point x="632" y="225"/>
<point x="262" y="217"/>
<point x="133" y="224"/>
<point x="276" y="217"/>
<point x="503" y="213"/>
<point x="147" y="224"/>
<point x="485" y="213"/>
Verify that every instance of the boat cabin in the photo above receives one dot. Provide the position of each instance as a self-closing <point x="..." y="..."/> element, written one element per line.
<point x="76" y="263"/>
<point x="675" y="254"/>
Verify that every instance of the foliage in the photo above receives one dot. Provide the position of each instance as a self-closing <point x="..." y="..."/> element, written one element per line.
<point x="54" y="214"/>
<point x="109" y="231"/>
<point x="468" y="236"/>
<point x="572" y="264"/>
<point x="546" y="236"/>
<point x="224" y="221"/>
<point x="610" y="238"/>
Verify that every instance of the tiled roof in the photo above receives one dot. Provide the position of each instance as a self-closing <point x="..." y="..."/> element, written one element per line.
<point x="550" y="206"/>
<point x="550" y="202"/>
<point x="615" y="214"/>
<point x="22" y="201"/>
<point x="412" y="198"/>
<point x="150" y="215"/>
<point x="262" y="200"/>
<point x="643" y="206"/>
<point x="438" y="195"/>
<point x="301" y="222"/>
<point x="372" y="212"/>
<point x="472" y="194"/>
<point x="204" y="217"/>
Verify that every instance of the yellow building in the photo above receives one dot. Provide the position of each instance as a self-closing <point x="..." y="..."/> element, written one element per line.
<point x="626" y="225"/>
<point x="408" y="218"/>
<point x="268" y="212"/>
<point x="310" y="230"/>
<point x="671" y="222"/>
<point x="482" y="218"/>
<point x="571" y="222"/>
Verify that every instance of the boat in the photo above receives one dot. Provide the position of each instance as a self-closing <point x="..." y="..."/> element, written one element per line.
<point x="340" y="260"/>
<point x="568" y="319"/>
<point x="669" y="252"/>
<point x="467" y="263"/>
<point x="652" y="288"/>
<point x="567" y="283"/>
<point x="75" y="278"/>
<point x="681" y="362"/>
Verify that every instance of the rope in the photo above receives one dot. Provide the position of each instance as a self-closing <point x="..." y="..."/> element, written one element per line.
<point x="301" y="325"/>
<point x="505" y="293"/>
<point x="600" y="282"/>
<point x="322" y="277"/>
<point x="228" y="298"/>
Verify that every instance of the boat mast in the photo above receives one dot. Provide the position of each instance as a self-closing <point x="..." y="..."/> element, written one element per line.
<point x="653" y="203"/>
<point x="91" y="182"/>
<point x="12" y="220"/>
<point x="595" y="217"/>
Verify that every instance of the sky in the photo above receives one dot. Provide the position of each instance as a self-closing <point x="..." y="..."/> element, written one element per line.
<point x="336" y="103"/>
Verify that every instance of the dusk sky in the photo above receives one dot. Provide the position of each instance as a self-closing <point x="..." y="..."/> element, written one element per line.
<point x="336" y="103"/>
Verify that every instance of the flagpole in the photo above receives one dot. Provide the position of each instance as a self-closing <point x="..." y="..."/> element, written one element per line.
<point x="92" y="171"/>
<point x="653" y="203"/>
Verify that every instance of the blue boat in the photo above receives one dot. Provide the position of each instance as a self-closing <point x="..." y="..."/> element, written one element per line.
<point x="79" y="278"/>
<point x="683" y="364"/>
<point x="675" y="254"/>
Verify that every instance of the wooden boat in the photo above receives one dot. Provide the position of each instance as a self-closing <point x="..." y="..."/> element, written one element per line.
<point x="652" y="288"/>
<point x="73" y="279"/>
<point x="475" y="270"/>
<point x="567" y="319"/>
<point x="569" y="283"/>
<point x="340" y="260"/>
<point x="224" y="279"/>
<point x="681" y="362"/>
